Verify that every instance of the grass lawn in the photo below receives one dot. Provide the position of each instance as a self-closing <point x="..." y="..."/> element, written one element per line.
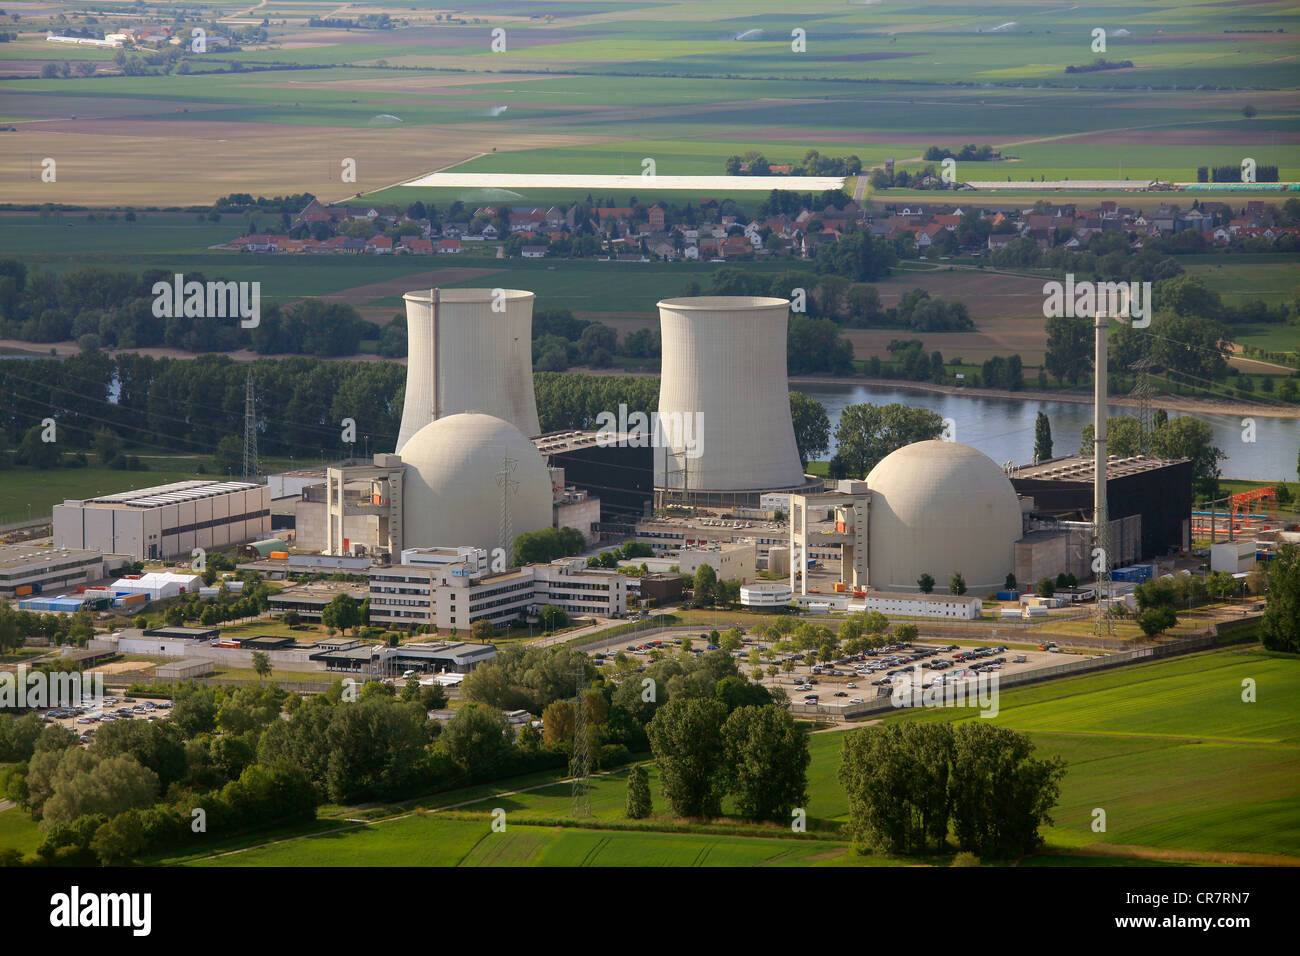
<point x="1168" y="750"/>
<point x="21" y="486"/>
<point x="18" y="831"/>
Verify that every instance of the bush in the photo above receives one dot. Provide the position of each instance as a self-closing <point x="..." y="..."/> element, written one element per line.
<point x="965" y="858"/>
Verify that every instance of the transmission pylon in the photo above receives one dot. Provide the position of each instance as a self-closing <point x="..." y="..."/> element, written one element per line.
<point x="580" y="765"/>
<point x="251" y="467"/>
<point x="1142" y="391"/>
<point x="507" y="484"/>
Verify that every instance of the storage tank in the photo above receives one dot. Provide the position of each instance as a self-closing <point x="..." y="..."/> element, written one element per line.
<point x="724" y="380"/>
<point x="465" y="356"/>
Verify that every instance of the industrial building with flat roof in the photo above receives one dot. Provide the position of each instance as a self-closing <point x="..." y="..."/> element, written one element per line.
<point x="27" y="569"/>
<point x="449" y="596"/>
<point x="1157" y="491"/>
<point x="166" y="521"/>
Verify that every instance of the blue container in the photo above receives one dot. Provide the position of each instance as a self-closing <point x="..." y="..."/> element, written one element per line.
<point x="1008" y="595"/>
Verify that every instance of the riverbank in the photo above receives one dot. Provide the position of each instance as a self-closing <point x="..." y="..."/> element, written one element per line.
<point x="14" y="348"/>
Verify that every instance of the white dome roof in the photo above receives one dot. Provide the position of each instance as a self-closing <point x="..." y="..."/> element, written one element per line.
<point x="452" y="494"/>
<point x="941" y="507"/>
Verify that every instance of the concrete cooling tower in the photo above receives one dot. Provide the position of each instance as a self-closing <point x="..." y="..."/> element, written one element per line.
<point x="453" y="490"/>
<point x="724" y="379"/>
<point x="464" y="356"/>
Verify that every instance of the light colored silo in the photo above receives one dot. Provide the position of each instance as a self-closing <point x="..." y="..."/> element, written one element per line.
<point x="724" y="357"/>
<point x="469" y="350"/>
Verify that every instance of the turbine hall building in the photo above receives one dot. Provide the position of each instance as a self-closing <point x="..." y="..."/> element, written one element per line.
<point x="166" y="521"/>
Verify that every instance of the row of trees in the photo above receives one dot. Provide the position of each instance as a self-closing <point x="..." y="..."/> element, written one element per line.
<point x="191" y="404"/>
<point x="910" y="783"/>
<point x="100" y="308"/>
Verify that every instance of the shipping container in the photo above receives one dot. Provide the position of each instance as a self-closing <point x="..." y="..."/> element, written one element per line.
<point x="1008" y="595"/>
<point x="280" y="554"/>
<point x="23" y="590"/>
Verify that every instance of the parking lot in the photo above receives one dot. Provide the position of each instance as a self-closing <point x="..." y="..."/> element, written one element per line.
<point x="847" y="679"/>
<point x="84" y="719"/>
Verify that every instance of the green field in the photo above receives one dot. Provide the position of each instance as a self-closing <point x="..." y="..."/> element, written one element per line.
<point x="1179" y="763"/>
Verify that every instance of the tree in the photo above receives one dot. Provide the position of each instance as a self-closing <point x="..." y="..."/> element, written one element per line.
<point x="767" y="755"/>
<point x="689" y="748"/>
<point x="476" y="738"/>
<point x="1280" y="626"/>
<point x="867" y="433"/>
<point x="1042" y="438"/>
<point x="1010" y="583"/>
<point x="999" y="794"/>
<point x="1155" y="620"/>
<point x="957" y="585"/>
<point x="108" y="446"/>
<point x="925" y="582"/>
<point x="374" y="747"/>
<point x="705" y="586"/>
<point x="896" y="780"/>
<point x="291" y="618"/>
<point x="1187" y="437"/>
<point x="1249" y="111"/>
<point x="342" y="612"/>
<point x="638" y="793"/>
<point x="553" y="617"/>
<point x="1068" y="355"/>
<point x="262" y="664"/>
<point x="36" y="452"/>
<point x="812" y="427"/>
<point x="229" y="456"/>
<point x="1046" y="588"/>
<point x="906" y="633"/>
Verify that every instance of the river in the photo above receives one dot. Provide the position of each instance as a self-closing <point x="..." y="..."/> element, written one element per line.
<point x="1003" y="428"/>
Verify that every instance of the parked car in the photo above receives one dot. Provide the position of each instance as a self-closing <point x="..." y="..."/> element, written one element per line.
<point x="1022" y="659"/>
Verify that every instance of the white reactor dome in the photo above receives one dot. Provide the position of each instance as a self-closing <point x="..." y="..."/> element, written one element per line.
<point x="452" y="492"/>
<point x="941" y="507"/>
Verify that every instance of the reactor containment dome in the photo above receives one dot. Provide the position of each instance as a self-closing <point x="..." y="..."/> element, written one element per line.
<point x="469" y="350"/>
<point x="463" y="473"/>
<point x="940" y="507"/>
<point x="725" y="391"/>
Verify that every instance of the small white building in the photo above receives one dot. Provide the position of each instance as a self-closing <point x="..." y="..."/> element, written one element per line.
<point x="963" y="607"/>
<point x="1234" y="557"/>
<point x="157" y="585"/>
<point x="766" y="594"/>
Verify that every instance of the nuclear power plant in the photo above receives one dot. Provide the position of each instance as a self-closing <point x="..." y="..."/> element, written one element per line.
<point x="469" y="350"/>
<point x="723" y="390"/>
<point x="710" y="480"/>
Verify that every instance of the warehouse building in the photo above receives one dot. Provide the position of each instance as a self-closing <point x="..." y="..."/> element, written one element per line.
<point x="27" y="569"/>
<point x="166" y="521"/>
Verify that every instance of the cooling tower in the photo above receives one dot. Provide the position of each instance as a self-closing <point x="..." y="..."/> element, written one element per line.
<point x="464" y="356"/>
<point x="724" y="373"/>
